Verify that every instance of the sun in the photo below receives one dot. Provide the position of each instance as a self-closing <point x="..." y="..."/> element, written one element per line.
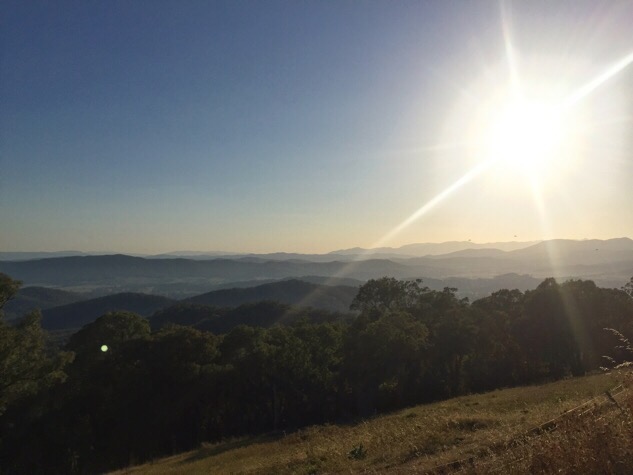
<point x="526" y="136"/>
<point x="515" y="135"/>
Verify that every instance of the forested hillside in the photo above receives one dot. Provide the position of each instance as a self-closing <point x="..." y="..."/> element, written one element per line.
<point x="285" y="294"/>
<point x="262" y="314"/>
<point x="78" y="314"/>
<point x="294" y="292"/>
<point x="119" y="393"/>
<point x="30" y="298"/>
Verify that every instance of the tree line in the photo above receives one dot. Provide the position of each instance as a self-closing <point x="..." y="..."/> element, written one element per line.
<point x="119" y="393"/>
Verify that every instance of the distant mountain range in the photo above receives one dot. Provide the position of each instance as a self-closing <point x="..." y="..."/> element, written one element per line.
<point x="141" y="274"/>
<point x="408" y="250"/>
<point x="26" y="256"/>
<point x="609" y="262"/>
<point x="144" y="285"/>
<point x="432" y="249"/>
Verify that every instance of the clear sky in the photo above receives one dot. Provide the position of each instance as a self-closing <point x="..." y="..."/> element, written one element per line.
<point x="261" y="126"/>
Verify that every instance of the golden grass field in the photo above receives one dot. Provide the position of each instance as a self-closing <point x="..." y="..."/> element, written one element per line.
<point x="490" y="429"/>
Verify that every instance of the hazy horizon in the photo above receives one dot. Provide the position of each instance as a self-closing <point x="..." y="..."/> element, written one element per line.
<point x="220" y="252"/>
<point x="249" y="127"/>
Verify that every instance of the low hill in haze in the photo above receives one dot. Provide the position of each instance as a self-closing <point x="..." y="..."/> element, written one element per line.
<point x="127" y="270"/>
<point x="587" y="251"/>
<point x="292" y="292"/>
<point x="433" y="248"/>
<point x="76" y="315"/>
<point x="281" y="295"/>
<point x="608" y="262"/>
<point x="477" y="288"/>
<point x="26" y="256"/>
<point x="31" y="298"/>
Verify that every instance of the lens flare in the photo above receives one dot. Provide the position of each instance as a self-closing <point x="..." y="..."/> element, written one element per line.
<point x="526" y="136"/>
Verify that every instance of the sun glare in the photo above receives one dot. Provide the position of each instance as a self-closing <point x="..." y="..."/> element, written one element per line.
<point x="526" y="137"/>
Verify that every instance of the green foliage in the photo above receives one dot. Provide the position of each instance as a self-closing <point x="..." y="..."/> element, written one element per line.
<point x="26" y="365"/>
<point x="387" y="294"/>
<point x="358" y="452"/>
<point x="156" y="393"/>
<point x="384" y="360"/>
<point x="262" y="314"/>
<point x="111" y="329"/>
<point x="560" y="327"/>
<point x="628" y="288"/>
<point x="8" y="288"/>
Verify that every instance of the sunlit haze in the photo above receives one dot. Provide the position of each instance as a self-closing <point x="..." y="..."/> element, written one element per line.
<point x="149" y="127"/>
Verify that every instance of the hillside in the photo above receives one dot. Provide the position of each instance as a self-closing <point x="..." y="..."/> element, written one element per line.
<point x="141" y="274"/>
<point x="287" y="292"/>
<point x="608" y="262"/>
<point x="31" y="298"/>
<point x="262" y="314"/>
<point x="78" y="314"/>
<point x="476" y="288"/>
<point x="419" y="439"/>
<point x="293" y="292"/>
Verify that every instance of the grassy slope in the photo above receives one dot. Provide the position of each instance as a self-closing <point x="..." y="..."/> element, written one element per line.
<point x="409" y="441"/>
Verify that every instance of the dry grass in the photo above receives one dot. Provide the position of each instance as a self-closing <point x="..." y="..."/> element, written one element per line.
<point x="600" y="440"/>
<point x="419" y="439"/>
<point x="578" y="446"/>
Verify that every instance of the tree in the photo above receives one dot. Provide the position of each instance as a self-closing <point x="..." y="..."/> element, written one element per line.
<point x="8" y="289"/>
<point x="26" y="365"/>
<point x="110" y="330"/>
<point x="387" y="294"/>
<point x="547" y="332"/>
<point x="496" y="356"/>
<point x="384" y="361"/>
<point x="628" y="288"/>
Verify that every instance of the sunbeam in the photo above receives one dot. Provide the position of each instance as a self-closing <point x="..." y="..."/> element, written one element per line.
<point x="589" y="87"/>
<point x="532" y="143"/>
<point x="424" y="209"/>
<point x="524" y="134"/>
<point x="509" y="48"/>
<point x="433" y="202"/>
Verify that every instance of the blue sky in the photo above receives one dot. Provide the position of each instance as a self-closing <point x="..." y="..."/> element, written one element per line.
<point x="297" y="126"/>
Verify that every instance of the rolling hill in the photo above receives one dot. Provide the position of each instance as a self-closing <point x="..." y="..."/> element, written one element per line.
<point x="285" y="293"/>
<point x="292" y="292"/>
<point x="78" y="314"/>
<point x="288" y="292"/>
<point x="31" y="298"/>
